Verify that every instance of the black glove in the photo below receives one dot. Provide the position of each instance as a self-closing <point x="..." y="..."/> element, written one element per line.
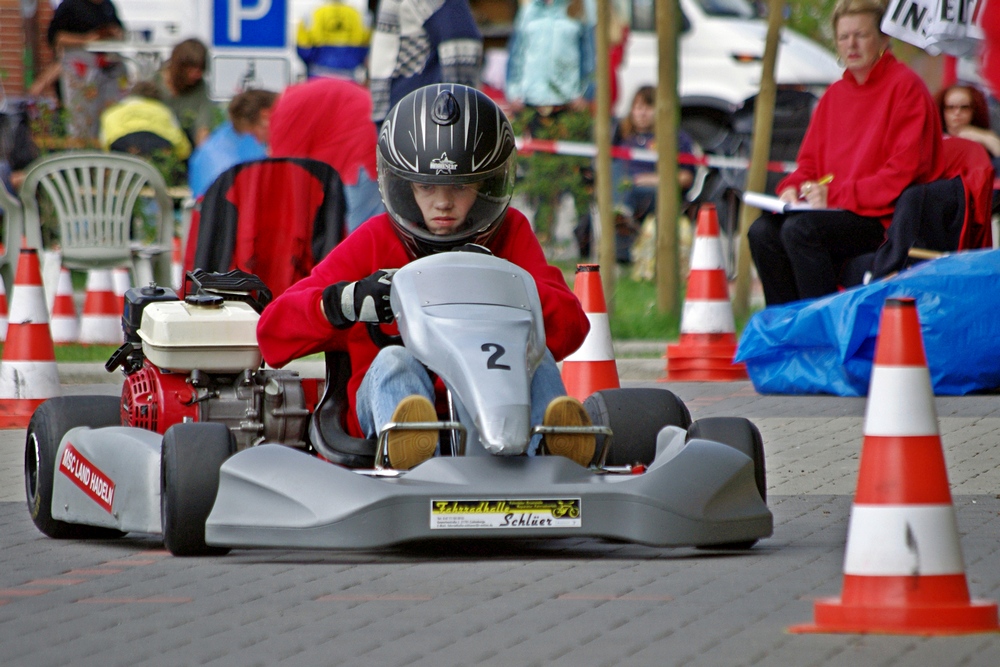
<point x="365" y="300"/>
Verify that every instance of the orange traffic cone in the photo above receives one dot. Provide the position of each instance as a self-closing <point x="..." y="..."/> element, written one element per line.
<point x="64" y="324"/>
<point x="28" y="370"/>
<point x="101" y="322"/>
<point x="176" y="265"/>
<point x="708" y="332"/>
<point x="592" y="367"/>
<point x="4" y="319"/>
<point x="903" y="569"/>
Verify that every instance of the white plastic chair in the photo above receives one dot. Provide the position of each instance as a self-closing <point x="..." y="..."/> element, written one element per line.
<point x="98" y="200"/>
<point x="13" y="221"/>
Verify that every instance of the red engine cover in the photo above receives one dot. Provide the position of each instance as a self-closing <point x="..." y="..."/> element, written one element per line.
<point x="156" y="400"/>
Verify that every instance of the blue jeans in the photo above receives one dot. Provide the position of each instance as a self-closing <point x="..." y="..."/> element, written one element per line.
<point x="395" y="374"/>
<point x="362" y="200"/>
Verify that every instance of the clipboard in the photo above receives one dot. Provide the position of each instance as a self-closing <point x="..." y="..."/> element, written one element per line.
<point x="776" y="205"/>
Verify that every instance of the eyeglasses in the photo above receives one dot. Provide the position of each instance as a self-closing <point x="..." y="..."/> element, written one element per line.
<point x="958" y="107"/>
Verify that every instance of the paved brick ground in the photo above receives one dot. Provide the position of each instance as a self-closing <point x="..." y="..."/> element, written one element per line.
<point x="565" y="602"/>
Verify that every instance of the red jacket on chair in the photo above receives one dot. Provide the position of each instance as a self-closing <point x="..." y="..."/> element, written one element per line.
<point x="275" y="218"/>
<point x="970" y="160"/>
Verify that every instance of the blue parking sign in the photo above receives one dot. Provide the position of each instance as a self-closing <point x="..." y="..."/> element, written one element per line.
<point x="250" y="23"/>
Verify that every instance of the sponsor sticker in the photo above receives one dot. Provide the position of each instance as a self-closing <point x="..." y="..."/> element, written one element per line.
<point x="531" y="513"/>
<point x="88" y="477"/>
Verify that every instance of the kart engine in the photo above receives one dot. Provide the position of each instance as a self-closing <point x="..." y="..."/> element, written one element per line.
<point x="197" y="360"/>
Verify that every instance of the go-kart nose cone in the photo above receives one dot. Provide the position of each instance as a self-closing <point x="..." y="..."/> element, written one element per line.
<point x="503" y="430"/>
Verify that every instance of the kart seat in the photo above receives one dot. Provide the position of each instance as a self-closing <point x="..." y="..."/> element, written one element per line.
<point x="326" y="427"/>
<point x="235" y="226"/>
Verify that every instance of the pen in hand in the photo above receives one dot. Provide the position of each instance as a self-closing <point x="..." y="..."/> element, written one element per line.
<point x="808" y="185"/>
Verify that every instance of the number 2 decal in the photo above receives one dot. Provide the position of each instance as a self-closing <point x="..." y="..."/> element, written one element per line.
<point x="498" y="351"/>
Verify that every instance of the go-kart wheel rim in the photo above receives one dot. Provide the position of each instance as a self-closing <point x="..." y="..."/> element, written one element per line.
<point x="32" y="465"/>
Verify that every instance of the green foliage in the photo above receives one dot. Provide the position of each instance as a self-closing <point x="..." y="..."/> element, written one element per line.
<point x="543" y="177"/>
<point x="812" y="19"/>
<point x="48" y="122"/>
<point x="172" y="168"/>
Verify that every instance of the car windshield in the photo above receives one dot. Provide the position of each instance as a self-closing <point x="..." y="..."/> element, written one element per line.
<point x="737" y="8"/>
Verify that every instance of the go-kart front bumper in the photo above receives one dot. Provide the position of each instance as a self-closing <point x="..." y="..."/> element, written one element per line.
<point x="274" y="496"/>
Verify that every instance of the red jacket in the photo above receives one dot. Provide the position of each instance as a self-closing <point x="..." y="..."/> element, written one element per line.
<point x="326" y="119"/>
<point x="875" y="139"/>
<point x="293" y="325"/>
<point x="970" y="160"/>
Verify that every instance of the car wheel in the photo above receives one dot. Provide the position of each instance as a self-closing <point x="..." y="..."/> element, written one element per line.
<point x="191" y="457"/>
<point x="636" y="416"/>
<point x="742" y="435"/>
<point x="709" y="127"/>
<point x="49" y="423"/>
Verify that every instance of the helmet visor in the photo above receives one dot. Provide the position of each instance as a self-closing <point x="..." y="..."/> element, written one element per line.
<point x="446" y="210"/>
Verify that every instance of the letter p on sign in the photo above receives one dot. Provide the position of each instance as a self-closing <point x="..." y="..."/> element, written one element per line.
<point x="238" y="13"/>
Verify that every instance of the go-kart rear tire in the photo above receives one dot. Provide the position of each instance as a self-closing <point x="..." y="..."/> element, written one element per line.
<point x="191" y="457"/>
<point x="742" y="435"/>
<point x="49" y="423"/>
<point x="636" y="416"/>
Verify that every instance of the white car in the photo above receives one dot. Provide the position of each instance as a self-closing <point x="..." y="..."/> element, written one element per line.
<point x="721" y="46"/>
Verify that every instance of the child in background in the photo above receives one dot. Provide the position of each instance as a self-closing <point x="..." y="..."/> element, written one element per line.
<point x="141" y="124"/>
<point x="242" y="138"/>
<point x="635" y="180"/>
<point x="182" y="85"/>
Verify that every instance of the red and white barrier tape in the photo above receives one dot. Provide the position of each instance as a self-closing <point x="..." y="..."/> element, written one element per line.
<point x="579" y="149"/>
<point x="527" y="145"/>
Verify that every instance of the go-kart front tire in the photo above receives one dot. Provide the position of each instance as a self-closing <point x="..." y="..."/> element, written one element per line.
<point x="635" y="416"/>
<point x="49" y="423"/>
<point x="191" y="457"/>
<point x="739" y="433"/>
<point x="742" y="435"/>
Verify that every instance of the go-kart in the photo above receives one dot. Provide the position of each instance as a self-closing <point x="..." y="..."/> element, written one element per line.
<point x="214" y="451"/>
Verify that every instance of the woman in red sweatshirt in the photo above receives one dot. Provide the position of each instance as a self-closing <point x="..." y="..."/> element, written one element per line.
<point x="874" y="132"/>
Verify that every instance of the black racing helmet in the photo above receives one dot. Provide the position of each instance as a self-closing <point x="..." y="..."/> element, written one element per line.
<point x="446" y="134"/>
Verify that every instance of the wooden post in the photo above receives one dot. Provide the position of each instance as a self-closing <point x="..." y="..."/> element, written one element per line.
<point x="667" y="120"/>
<point x="602" y="135"/>
<point x="763" y="119"/>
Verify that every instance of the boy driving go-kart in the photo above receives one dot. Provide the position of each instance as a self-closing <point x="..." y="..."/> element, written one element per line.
<point x="446" y="162"/>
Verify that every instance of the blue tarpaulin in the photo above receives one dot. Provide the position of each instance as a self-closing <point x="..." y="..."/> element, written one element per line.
<point x="826" y="345"/>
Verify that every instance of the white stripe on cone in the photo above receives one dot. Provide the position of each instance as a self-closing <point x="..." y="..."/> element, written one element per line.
<point x="176" y="265"/>
<point x="707" y="316"/>
<point x="707" y="254"/>
<point x="905" y="402"/>
<point x="63" y="323"/>
<point x="100" y="328"/>
<point x="597" y="345"/>
<point x="903" y="540"/>
<point x="50" y="263"/>
<point x="29" y="379"/>
<point x="28" y="306"/>
<point x="121" y="280"/>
